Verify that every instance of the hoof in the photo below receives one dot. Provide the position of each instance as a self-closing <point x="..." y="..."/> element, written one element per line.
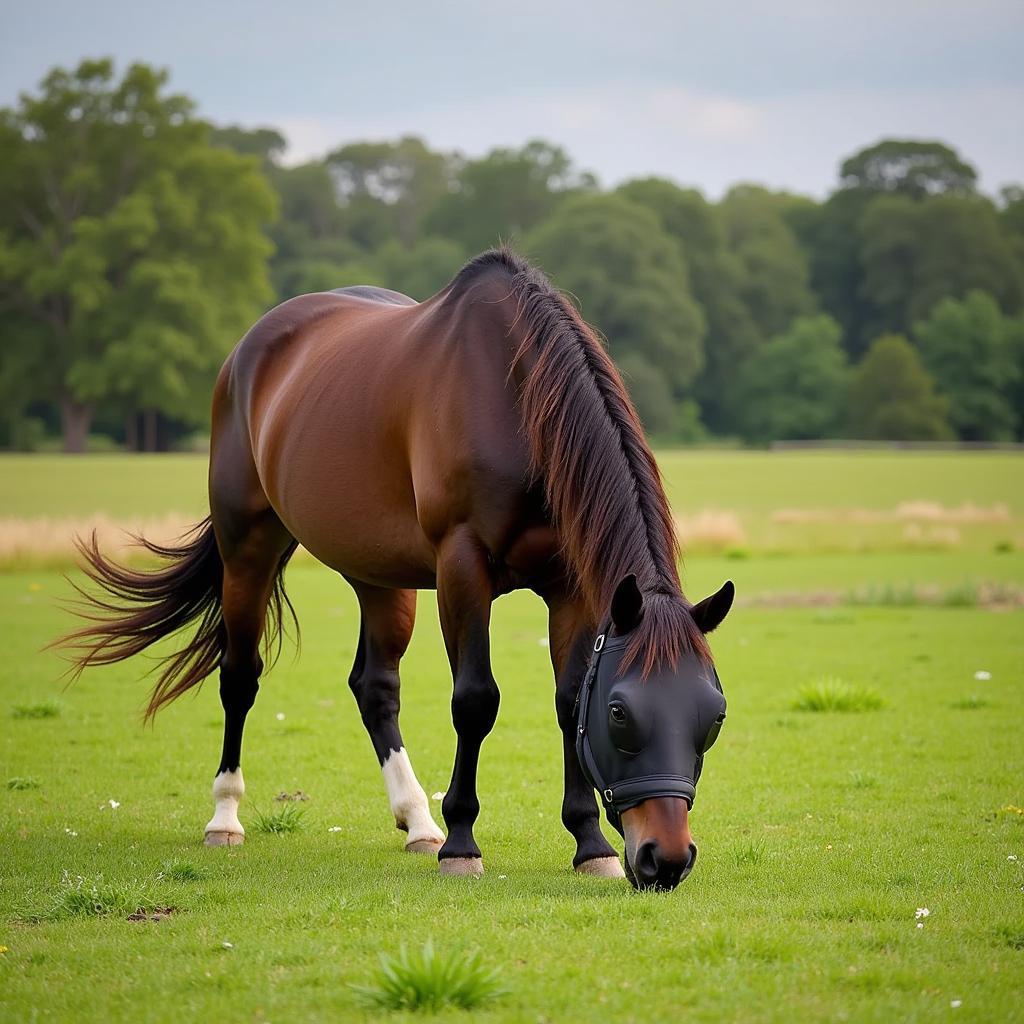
<point x="224" y="839"/>
<point x="601" y="867"/>
<point x="423" y="845"/>
<point x="471" y="867"/>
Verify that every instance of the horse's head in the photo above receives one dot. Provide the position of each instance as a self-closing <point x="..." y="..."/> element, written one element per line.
<point x="641" y="741"/>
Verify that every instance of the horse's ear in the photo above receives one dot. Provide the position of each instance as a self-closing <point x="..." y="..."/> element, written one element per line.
<point x="627" y="605"/>
<point x="710" y="612"/>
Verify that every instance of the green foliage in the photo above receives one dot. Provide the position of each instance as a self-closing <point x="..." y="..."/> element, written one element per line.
<point x="630" y="280"/>
<point x="280" y="820"/>
<point x="968" y="346"/>
<point x="430" y="982"/>
<point x="910" y="167"/>
<point x="134" y="245"/>
<point x="794" y="386"/>
<point x="80" y="896"/>
<point x="21" y="782"/>
<point x="835" y="695"/>
<point x="41" y="709"/>
<point x="774" y="278"/>
<point x="505" y="194"/>
<point x="893" y="398"/>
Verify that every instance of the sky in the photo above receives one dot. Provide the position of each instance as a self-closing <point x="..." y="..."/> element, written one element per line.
<point x="707" y="94"/>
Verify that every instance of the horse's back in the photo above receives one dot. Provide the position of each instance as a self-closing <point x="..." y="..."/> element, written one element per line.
<point x="376" y="423"/>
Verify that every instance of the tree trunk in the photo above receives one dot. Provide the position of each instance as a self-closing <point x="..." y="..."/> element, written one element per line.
<point x="131" y="432"/>
<point x="149" y="428"/>
<point x="75" y="418"/>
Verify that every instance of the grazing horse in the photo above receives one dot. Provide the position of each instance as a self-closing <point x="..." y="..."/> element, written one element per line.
<point x="478" y="442"/>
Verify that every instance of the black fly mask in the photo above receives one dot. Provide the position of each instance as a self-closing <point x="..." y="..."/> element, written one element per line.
<point x="643" y="738"/>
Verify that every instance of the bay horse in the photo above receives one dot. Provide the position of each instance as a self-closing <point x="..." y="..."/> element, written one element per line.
<point x="478" y="442"/>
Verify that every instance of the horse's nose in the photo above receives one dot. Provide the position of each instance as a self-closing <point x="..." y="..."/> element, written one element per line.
<point x="655" y="868"/>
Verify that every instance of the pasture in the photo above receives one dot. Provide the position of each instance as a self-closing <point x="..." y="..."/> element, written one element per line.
<point x="823" y="835"/>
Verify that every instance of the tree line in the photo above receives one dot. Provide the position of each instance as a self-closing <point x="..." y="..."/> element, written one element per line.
<point x="138" y="242"/>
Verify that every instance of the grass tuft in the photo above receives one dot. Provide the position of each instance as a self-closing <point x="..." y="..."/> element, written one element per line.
<point x="430" y="981"/>
<point x="286" y="818"/>
<point x="1011" y="935"/>
<point x="749" y="854"/>
<point x="835" y="695"/>
<point x="971" y="703"/>
<point x="863" y="780"/>
<point x="23" y="782"/>
<point x="181" y="871"/>
<point x="42" y="709"/>
<point x="79" y="896"/>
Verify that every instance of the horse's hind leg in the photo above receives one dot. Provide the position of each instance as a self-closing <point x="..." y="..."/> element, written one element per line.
<point x="385" y="628"/>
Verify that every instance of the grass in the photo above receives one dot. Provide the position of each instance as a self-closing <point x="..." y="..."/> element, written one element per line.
<point x="23" y="782"/>
<point x="835" y="695"/>
<point x="819" y="834"/>
<point x="79" y="896"/>
<point x="430" y="982"/>
<point x="41" y="709"/>
<point x="280" y="820"/>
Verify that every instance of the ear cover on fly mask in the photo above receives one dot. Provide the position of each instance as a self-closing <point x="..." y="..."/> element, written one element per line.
<point x="638" y="739"/>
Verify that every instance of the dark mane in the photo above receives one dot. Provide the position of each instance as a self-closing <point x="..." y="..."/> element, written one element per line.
<point x="602" y="484"/>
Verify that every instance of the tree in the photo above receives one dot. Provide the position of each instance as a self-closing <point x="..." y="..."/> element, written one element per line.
<point x="134" y="245"/>
<point x="630" y="280"/>
<point x="915" y="253"/>
<point x="968" y="347"/>
<point x="505" y="194"/>
<point x="774" y="275"/>
<point x="386" y="188"/>
<point x="909" y="167"/>
<point x="892" y="396"/>
<point x="794" y="386"/>
<point x="717" y="279"/>
<point x="650" y="394"/>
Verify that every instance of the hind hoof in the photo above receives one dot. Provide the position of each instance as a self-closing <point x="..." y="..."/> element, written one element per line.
<point x="224" y="839"/>
<point x="466" y="867"/>
<point x="601" y="867"/>
<point x="423" y="845"/>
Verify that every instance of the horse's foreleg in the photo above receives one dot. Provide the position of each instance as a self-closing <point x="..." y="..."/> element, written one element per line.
<point x="571" y="636"/>
<point x="464" y="594"/>
<point x="385" y="628"/>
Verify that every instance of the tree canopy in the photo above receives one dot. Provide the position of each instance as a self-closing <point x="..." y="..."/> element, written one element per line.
<point x="137" y="242"/>
<point x="134" y="245"/>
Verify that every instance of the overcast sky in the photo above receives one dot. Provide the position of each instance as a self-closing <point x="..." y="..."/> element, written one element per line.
<point x="705" y="93"/>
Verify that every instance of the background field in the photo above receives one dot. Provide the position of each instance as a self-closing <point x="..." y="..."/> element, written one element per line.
<point x="820" y="834"/>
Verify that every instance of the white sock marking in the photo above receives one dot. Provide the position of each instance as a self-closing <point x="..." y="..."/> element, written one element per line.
<point x="228" y="789"/>
<point x="407" y="799"/>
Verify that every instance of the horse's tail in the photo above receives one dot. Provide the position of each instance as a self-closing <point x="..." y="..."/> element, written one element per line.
<point x="133" y="609"/>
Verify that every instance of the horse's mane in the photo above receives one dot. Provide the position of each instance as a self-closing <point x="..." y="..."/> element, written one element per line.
<point x="602" y="484"/>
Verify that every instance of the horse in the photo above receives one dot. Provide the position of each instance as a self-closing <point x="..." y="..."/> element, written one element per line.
<point x="477" y="442"/>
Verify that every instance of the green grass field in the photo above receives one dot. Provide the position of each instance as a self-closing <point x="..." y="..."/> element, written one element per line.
<point x="821" y="833"/>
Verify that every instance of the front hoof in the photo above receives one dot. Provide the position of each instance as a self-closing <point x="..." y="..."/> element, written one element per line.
<point x="601" y="867"/>
<point x="424" y="846"/>
<point x="471" y="867"/>
<point x="224" y="838"/>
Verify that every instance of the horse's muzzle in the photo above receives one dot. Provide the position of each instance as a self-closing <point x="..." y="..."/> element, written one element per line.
<point x="653" y="869"/>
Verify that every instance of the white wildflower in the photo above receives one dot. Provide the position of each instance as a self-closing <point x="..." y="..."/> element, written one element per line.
<point x="544" y="642"/>
<point x="71" y="832"/>
<point x="920" y="924"/>
<point x="982" y="676"/>
<point x="334" y="828"/>
<point x="114" y="804"/>
<point x="228" y="945"/>
<point x="280" y="716"/>
<point x="956" y="1003"/>
<point x="921" y="912"/>
<point x="438" y="796"/>
<point x="1012" y="856"/>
